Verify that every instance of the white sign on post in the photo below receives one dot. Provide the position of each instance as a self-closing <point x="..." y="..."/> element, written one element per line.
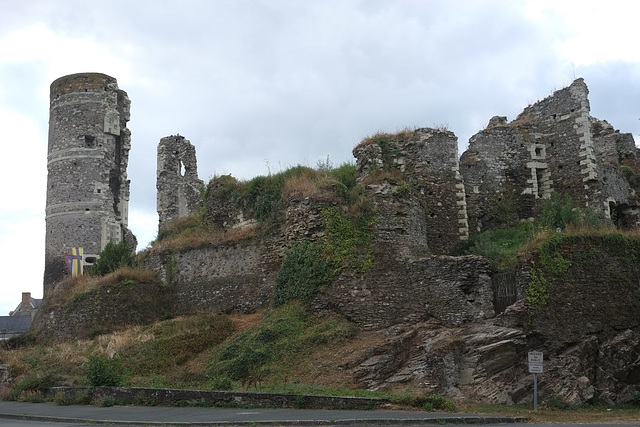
<point x="535" y="362"/>
<point x="535" y="367"/>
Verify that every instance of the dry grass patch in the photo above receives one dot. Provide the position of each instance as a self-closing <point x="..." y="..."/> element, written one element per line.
<point x="65" y="290"/>
<point x="204" y="238"/>
<point x="402" y="136"/>
<point x="319" y="187"/>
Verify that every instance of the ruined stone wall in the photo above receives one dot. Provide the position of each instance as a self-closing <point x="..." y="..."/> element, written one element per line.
<point x="231" y="277"/>
<point x="452" y="290"/>
<point x="87" y="185"/>
<point x="177" y="183"/>
<point x="427" y="160"/>
<point x="510" y="167"/>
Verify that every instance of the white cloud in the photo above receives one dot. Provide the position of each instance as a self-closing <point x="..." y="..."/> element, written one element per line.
<point x="37" y="45"/>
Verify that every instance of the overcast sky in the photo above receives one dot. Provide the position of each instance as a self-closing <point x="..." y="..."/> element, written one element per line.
<point x="258" y="86"/>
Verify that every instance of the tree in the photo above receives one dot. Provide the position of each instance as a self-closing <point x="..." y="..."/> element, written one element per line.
<point x="112" y="258"/>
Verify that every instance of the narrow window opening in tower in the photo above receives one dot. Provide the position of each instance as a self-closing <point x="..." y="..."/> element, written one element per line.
<point x="182" y="169"/>
<point x="89" y="141"/>
<point x="539" y="181"/>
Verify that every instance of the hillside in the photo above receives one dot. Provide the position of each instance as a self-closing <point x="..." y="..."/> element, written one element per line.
<point x="338" y="313"/>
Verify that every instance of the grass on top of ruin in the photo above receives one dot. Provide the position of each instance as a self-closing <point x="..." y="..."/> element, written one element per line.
<point x="262" y="199"/>
<point x="504" y="245"/>
<point x="68" y="288"/>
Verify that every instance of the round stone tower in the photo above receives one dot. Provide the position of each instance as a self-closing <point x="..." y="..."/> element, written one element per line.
<point x="87" y="186"/>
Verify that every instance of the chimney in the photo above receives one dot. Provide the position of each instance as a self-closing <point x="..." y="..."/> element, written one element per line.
<point x="26" y="300"/>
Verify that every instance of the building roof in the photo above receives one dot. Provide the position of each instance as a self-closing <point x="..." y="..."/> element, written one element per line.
<point x="15" y="324"/>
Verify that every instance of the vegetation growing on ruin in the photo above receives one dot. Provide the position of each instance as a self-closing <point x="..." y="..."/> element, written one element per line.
<point x="349" y="237"/>
<point x="502" y="245"/>
<point x="68" y="289"/>
<point x="263" y="198"/>
<point x="112" y="257"/>
<point x="631" y="173"/>
<point x="303" y="272"/>
<point x="383" y="139"/>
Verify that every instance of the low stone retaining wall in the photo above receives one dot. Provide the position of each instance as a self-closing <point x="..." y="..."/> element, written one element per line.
<point x="179" y="397"/>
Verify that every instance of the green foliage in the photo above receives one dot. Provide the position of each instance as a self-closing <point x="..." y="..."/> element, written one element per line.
<point x="286" y="334"/>
<point x="560" y="212"/>
<point x="37" y="382"/>
<point x="537" y="290"/>
<point x="504" y="208"/>
<point x="302" y="273"/>
<point x="346" y="188"/>
<point x="103" y="371"/>
<point x="552" y="265"/>
<point x="175" y="343"/>
<point x="183" y="226"/>
<point x="500" y="245"/>
<point x="221" y="382"/>
<point x="112" y="258"/>
<point x="348" y="240"/>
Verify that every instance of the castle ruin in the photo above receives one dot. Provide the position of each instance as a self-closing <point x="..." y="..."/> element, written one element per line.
<point x="178" y="187"/>
<point x="553" y="146"/>
<point x="87" y="186"/>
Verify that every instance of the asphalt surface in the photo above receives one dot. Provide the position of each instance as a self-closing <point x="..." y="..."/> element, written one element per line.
<point x="189" y="416"/>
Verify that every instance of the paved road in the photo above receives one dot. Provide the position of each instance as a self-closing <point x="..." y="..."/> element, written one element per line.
<point x="20" y="414"/>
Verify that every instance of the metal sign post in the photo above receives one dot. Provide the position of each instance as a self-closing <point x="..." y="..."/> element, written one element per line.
<point x="535" y="367"/>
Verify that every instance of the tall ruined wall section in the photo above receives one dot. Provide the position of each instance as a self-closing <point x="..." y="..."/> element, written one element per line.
<point x="510" y="167"/>
<point x="87" y="185"/>
<point x="427" y="162"/>
<point x="177" y="183"/>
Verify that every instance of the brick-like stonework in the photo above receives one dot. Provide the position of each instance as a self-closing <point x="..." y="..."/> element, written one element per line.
<point x="428" y="161"/>
<point x="87" y="185"/>
<point x="177" y="183"/>
<point x="554" y="145"/>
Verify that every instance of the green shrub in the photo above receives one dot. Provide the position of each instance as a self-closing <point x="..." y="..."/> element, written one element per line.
<point x="500" y="245"/>
<point x="348" y="239"/>
<point x="221" y="382"/>
<point x="302" y="273"/>
<point x="560" y="212"/>
<point x="425" y="401"/>
<point x="104" y="371"/>
<point x="112" y="258"/>
<point x="38" y="382"/>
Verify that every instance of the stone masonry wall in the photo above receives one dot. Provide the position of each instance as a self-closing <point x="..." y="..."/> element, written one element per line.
<point x="225" y="278"/>
<point x="427" y="159"/>
<point x="87" y="185"/>
<point x="452" y="290"/>
<point x="550" y="147"/>
<point x="177" y="182"/>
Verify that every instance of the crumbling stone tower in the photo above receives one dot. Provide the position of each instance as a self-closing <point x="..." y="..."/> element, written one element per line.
<point x="177" y="183"/>
<point x="554" y="145"/>
<point x="87" y="186"/>
<point x="421" y="165"/>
